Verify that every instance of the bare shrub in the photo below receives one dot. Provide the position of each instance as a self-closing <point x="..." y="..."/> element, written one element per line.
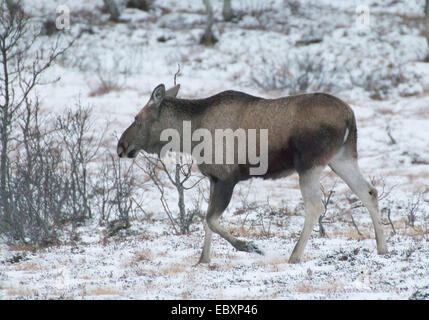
<point x="293" y="5"/>
<point x="106" y="81"/>
<point x="50" y="183"/>
<point x="36" y="187"/>
<point x="383" y="79"/>
<point x="113" y="190"/>
<point x="257" y="14"/>
<point x="227" y="12"/>
<point x="413" y="208"/>
<point x="49" y="27"/>
<point x="81" y="144"/>
<point x="28" y="204"/>
<point x="46" y="162"/>
<point x="113" y="7"/>
<point x="160" y="173"/>
<point x="326" y="200"/>
<point x="208" y="38"/>
<point x="254" y="8"/>
<point x="308" y="71"/>
<point x="259" y="217"/>
<point x="123" y="186"/>
<point x="297" y="73"/>
<point x="262" y="217"/>
<point x="380" y="84"/>
<point x="144" y="5"/>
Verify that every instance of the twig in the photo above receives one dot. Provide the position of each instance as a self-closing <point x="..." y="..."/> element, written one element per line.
<point x="177" y="73"/>
<point x="325" y="201"/>
<point x="355" y="225"/>
<point x="389" y="134"/>
<point x="390" y="220"/>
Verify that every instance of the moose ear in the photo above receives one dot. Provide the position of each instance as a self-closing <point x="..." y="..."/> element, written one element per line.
<point x="172" y="92"/>
<point x="158" y="94"/>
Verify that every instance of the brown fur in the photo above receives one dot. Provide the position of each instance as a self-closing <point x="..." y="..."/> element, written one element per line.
<point x="305" y="133"/>
<point x="304" y="130"/>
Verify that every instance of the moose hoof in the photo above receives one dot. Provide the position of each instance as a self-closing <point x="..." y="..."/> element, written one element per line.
<point x="382" y="250"/>
<point x="294" y="259"/>
<point x="203" y="260"/>
<point x="248" y="247"/>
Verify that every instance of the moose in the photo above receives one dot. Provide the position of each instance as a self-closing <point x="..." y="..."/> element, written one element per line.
<point x="306" y="133"/>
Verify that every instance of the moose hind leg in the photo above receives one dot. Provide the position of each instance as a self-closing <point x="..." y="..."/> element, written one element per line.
<point x="309" y="182"/>
<point x="205" y="254"/>
<point x="219" y="200"/>
<point x="347" y="169"/>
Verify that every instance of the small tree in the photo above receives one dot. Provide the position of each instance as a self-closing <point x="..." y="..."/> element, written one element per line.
<point x="208" y="37"/>
<point x="426" y="22"/>
<point x="20" y="73"/>
<point x="113" y="8"/>
<point x="160" y="173"/>
<point x="227" y="12"/>
<point x="140" y="4"/>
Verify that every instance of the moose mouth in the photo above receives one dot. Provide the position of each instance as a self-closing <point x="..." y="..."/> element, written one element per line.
<point x="132" y="153"/>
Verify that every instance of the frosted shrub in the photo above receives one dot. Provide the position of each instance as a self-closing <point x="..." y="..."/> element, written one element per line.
<point x="298" y="73"/>
<point x="382" y="82"/>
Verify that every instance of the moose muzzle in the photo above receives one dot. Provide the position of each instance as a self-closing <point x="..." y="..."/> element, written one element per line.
<point x="124" y="150"/>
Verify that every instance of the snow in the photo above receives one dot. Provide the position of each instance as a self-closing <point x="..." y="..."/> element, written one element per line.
<point x="148" y="261"/>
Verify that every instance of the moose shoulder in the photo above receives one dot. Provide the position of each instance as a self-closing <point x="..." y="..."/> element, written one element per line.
<point x="302" y="133"/>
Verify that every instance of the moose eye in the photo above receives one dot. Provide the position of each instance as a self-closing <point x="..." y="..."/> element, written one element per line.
<point x="138" y="119"/>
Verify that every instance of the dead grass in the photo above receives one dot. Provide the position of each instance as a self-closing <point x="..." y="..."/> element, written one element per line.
<point x="415" y="177"/>
<point x="143" y="255"/>
<point x="22" y="247"/>
<point x="386" y="111"/>
<point x="21" y="291"/>
<point x="304" y="288"/>
<point x="252" y="231"/>
<point x="403" y="228"/>
<point x="174" y="269"/>
<point x="139" y="257"/>
<point x="29" y="266"/>
<point x="104" y="88"/>
<point x="186" y="295"/>
<point x="350" y="234"/>
<point x="330" y="287"/>
<point x="275" y="263"/>
<point x="103" y="291"/>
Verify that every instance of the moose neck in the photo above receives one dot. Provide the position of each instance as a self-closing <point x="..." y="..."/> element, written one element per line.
<point x="182" y="116"/>
<point x="176" y="111"/>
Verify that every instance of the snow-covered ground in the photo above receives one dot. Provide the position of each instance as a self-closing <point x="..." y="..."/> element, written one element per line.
<point x="148" y="261"/>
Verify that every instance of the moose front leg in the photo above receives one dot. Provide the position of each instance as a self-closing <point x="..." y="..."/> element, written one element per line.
<point x="220" y="196"/>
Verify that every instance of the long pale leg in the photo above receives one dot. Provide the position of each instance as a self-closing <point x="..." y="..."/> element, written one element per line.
<point x="347" y="168"/>
<point x="220" y="196"/>
<point x="309" y="182"/>
<point x="205" y="254"/>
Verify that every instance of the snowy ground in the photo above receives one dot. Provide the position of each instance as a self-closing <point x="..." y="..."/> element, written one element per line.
<point x="148" y="261"/>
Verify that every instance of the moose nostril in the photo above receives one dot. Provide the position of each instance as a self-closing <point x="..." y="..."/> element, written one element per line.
<point x="132" y="153"/>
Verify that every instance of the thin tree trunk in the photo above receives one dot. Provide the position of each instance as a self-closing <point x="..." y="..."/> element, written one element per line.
<point x="4" y="198"/>
<point x="181" y="203"/>
<point x="208" y="38"/>
<point x="113" y="9"/>
<point x="227" y="12"/>
<point x="427" y="21"/>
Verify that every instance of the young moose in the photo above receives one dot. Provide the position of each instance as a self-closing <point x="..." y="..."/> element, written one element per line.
<point x="306" y="133"/>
